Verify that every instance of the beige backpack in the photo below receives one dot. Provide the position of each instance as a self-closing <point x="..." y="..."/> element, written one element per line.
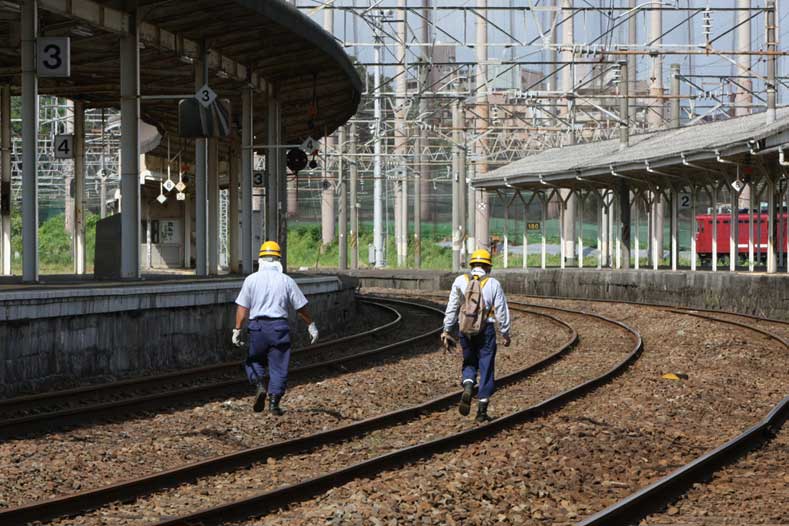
<point x="472" y="317"/>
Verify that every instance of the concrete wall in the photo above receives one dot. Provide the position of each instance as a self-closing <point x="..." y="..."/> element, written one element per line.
<point x="55" y="338"/>
<point x="760" y="294"/>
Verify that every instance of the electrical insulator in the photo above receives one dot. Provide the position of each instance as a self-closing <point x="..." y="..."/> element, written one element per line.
<point x="707" y="24"/>
<point x="617" y="74"/>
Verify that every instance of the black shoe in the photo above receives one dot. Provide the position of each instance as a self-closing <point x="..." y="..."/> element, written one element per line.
<point x="260" y="399"/>
<point x="273" y="407"/>
<point x="465" y="398"/>
<point x="482" y="413"/>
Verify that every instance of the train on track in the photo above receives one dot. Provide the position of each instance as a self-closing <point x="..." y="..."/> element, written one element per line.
<point x="760" y="224"/>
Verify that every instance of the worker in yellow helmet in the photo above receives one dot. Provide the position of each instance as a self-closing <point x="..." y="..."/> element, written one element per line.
<point x="265" y="299"/>
<point x="476" y="302"/>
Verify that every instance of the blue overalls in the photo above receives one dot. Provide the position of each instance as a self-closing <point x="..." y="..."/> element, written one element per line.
<point x="269" y="344"/>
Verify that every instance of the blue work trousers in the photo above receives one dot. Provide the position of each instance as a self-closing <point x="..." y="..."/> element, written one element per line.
<point x="269" y="345"/>
<point x="479" y="355"/>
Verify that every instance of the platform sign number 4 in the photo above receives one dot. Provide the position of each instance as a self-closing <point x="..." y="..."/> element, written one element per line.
<point x="205" y="96"/>
<point x="64" y="146"/>
<point x="53" y="57"/>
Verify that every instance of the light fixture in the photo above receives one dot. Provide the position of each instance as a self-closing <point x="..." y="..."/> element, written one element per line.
<point x="222" y="74"/>
<point x="186" y="59"/>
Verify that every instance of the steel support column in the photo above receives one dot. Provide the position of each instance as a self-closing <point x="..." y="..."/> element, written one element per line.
<point x="674" y="228"/>
<point x="624" y="213"/>
<point x="693" y="227"/>
<point x="715" y="227"/>
<point x="79" y="188"/>
<point x="354" y="173"/>
<point x="29" y="26"/>
<point x="130" y="151"/>
<point x="734" y="229"/>
<point x="201" y="184"/>
<point x="5" y="179"/>
<point x="771" y="259"/>
<point x="213" y="207"/>
<point x="342" y="231"/>
<point x="272" y="167"/>
<point x="456" y="228"/>
<point x="247" y="154"/>
<point x="233" y="224"/>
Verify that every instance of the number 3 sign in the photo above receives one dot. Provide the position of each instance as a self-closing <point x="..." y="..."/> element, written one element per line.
<point x="53" y="57"/>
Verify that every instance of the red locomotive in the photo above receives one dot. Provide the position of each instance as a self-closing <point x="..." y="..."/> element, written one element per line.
<point x="704" y="235"/>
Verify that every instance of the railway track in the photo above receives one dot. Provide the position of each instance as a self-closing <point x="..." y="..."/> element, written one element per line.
<point x="383" y="423"/>
<point x="78" y="503"/>
<point x="77" y="406"/>
<point x="636" y="506"/>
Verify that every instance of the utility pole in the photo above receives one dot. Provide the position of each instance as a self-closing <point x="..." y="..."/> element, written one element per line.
<point x="457" y="231"/>
<point x="676" y="103"/>
<point x="401" y="139"/>
<point x="422" y="179"/>
<point x="743" y="100"/>
<point x="771" y="61"/>
<point x="327" y="192"/>
<point x="483" y="120"/>
<point x="378" y="185"/>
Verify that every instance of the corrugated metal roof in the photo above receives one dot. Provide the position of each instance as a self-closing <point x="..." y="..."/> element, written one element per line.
<point x="585" y="159"/>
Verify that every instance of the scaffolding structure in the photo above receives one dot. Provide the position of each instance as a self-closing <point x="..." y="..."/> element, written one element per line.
<point x="523" y="77"/>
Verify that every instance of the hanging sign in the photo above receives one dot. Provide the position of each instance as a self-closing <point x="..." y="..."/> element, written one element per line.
<point x="258" y="179"/>
<point x="53" y="57"/>
<point x="310" y="146"/>
<point x="169" y="185"/>
<point x="64" y="146"/>
<point x="533" y="226"/>
<point x="180" y="196"/>
<point x="205" y="96"/>
<point x="685" y="200"/>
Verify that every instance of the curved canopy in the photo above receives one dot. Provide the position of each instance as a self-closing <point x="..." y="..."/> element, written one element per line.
<point x="251" y="42"/>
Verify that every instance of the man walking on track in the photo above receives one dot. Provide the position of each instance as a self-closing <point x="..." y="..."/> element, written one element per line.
<point x="265" y="299"/>
<point x="475" y="303"/>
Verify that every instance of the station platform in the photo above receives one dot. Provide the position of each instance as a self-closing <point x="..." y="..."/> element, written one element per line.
<point x="64" y="330"/>
<point x="758" y="294"/>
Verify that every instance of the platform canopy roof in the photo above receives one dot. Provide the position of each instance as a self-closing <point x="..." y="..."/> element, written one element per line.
<point x="263" y="43"/>
<point x="694" y="154"/>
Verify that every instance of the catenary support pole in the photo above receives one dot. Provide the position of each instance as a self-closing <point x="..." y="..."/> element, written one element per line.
<point x="5" y="179"/>
<point x="247" y="154"/>
<point x="568" y="111"/>
<point x="354" y="172"/>
<point x="201" y="182"/>
<point x="482" y="109"/>
<point x="79" y="187"/>
<point x="272" y="162"/>
<point x="378" y="183"/>
<point x="676" y="103"/>
<point x="130" y="151"/>
<point x="401" y="136"/>
<point x="29" y="27"/>
<point x="771" y="62"/>
<point x="342" y="188"/>
<point x="456" y="228"/>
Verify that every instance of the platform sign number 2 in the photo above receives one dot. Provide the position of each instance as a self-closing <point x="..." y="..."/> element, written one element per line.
<point x="53" y="57"/>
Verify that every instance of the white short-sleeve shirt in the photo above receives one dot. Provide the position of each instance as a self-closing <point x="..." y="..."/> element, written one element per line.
<point x="270" y="293"/>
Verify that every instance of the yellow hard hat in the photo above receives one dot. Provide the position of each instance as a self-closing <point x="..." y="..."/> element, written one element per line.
<point x="481" y="256"/>
<point x="270" y="248"/>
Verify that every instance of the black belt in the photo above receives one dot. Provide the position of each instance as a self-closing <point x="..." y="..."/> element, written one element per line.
<point x="266" y="318"/>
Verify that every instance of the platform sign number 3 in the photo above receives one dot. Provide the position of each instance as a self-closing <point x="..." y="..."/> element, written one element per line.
<point x="53" y="57"/>
<point x="205" y="96"/>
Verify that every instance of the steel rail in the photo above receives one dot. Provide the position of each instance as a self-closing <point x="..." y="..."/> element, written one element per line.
<point x="636" y="506"/>
<point x="259" y="504"/>
<point x="128" y="490"/>
<point x="72" y="416"/>
<point x="30" y="402"/>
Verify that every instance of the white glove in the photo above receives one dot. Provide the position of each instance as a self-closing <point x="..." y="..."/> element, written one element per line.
<point x="313" y="332"/>
<point x="237" y="341"/>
